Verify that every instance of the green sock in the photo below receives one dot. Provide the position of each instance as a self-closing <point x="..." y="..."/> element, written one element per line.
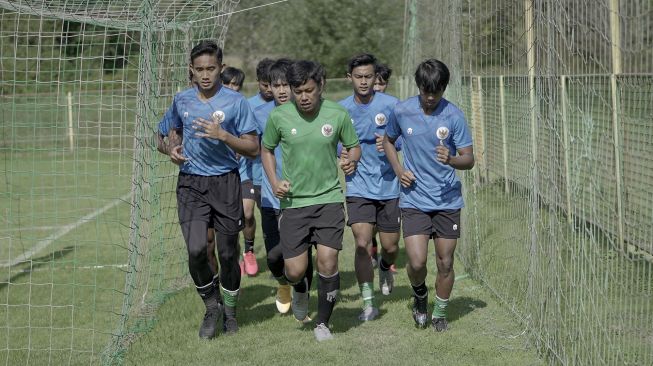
<point x="230" y="298"/>
<point x="367" y="292"/>
<point x="440" y="307"/>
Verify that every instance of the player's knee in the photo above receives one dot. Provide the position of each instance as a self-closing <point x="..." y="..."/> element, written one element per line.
<point x="417" y="264"/>
<point x="294" y="274"/>
<point x="328" y="266"/>
<point x="361" y="250"/>
<point x="445" y="265"/>
<point x="197" y="254"/>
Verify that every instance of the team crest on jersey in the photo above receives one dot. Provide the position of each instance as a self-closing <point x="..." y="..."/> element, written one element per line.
<point x="380" y="119"/>
<point x="442" y="133"/>
<point x="293" y="131"/>
<point x="409" y="131"/>
<point x="327" y="130"/>
<point x="218" y="116"/>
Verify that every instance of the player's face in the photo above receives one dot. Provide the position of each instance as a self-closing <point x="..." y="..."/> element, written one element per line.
<point x="380" y="85"/>
<point x="362" y="78"/>
<point x="281" y="91"/>
<point x="307" y="97"/>
<point x="233" y="86"/>
<point x="430" y="101"/>
<point x="206" y="71"/>
<point x="264" y="90"/>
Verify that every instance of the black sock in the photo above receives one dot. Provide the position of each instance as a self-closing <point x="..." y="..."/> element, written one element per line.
<point x="209" y="295"/>
<point x="216" y="285"/>
<point x="327" y="293"/>
<point x="301" y="286"/>
<point x="420" y="290"/>
<point x="384" y="265"/>
<point x="309" y="271"/>
<point x="249" y="245"/>
<point x="374" y="243"/>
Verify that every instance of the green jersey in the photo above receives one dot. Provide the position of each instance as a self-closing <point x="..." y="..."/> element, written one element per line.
<point x="308" y="149"/>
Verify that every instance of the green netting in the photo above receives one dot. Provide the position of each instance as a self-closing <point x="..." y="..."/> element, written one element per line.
<point x="558" y="219"/>
<point x="88" y="235"/>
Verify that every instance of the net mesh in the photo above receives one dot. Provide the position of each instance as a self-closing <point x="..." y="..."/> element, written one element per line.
<point x="88" y="235"/>
<point x="558" y="221"/>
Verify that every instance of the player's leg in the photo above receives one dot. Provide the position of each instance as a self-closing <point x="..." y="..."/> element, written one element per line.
<point x="294" y="230"/>
<point x="225" y="197"/>
<point x="328" y="230"/>
<point x="213" y="260"/>
<point x="388" y="221"/>
<point x="447" y="226"/>
<point x="417" y="229"/>
<point x="361" y="217"/>
<point x="194" y="215"/>
<point x="249" y="231"/>
<point x="374" y="249"/>
<point x="274" y="256"/>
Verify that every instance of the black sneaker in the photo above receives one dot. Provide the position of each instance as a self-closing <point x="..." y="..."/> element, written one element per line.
<point x="229" y="326"/>
<point x="419" y="311"/>
<point x="209" y="326"/>
<point x="439" y="324"/>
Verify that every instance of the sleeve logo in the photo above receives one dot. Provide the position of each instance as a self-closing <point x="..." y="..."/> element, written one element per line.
<point x="218" y="116"/>
<point x="409" y="131"/>
<point x="327" y="130"/>
<point x="293" y="131"/>
<point x="380" y="119"/>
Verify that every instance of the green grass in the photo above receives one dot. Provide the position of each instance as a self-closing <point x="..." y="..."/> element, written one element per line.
<point x="482" y="332"/>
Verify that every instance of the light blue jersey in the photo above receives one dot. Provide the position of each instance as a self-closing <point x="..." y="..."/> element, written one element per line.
<point x="436" y="186"/>
<point x="374" y="177"/>
<point x="268" y="199"/>
<point x="208" y="156"/>
<point x="245" y="166"/>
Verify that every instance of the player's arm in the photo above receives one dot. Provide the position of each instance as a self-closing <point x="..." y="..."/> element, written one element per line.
<point x="463" y="161"/>
<point x="406" y="177"/>
<point x="245" y="145"/>
<point x="269" y="142"/>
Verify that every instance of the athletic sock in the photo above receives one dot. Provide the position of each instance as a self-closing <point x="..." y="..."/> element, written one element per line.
<point x="374" y="243"/>
<point x="384" y="265"/>
<point x="230" y="302"/>
<point x="440" y="307"/>
<point x="327" y="293"/>
<point x="249" y="245"/>
<point x="216" y="286"/>
<point x="367" y="292"/>
<point x="420" y="290"/>
<point x="209" y="295"/>
<point x="282" y="280"/>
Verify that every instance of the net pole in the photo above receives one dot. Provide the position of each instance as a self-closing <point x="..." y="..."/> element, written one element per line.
<point x="504" y="139"/>
<point x="566" y="146"/>
<point x="71" y="131"/>
<point x="615" y="48"/>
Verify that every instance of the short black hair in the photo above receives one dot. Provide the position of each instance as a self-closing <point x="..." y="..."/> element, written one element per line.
<point x="232" y="74"/>
<point x="263" y="70"/>
<point x="206" y="47"/>
<point x="432" y="76"/>
<point x="301" y="71"/>
<point x="383" y="71"/>
<point x="278" y="69"/>
<point x="361" y="60"/>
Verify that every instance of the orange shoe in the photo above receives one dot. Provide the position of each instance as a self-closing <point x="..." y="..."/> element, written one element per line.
<point x="251" y="267"/>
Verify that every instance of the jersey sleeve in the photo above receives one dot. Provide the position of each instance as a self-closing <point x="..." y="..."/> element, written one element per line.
<point x="271" y="136"/>
<point x="246" y="122"/>
<point x="462" y="137"/>
<point x="392" y="129"/>
<point x="348" y="135"/>
<point x="170" y="120"/>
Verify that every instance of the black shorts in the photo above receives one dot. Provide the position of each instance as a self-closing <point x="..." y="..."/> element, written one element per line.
<point x="251" y="191"/>
<point x="305" y="226"/>
<point x="439" y="224"/>
<point x="384" y="213"/>
<point x="213" y="199"/>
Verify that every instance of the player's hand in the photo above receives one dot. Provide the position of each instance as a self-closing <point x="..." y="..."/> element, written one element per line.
<point x="281" y="189"/>
<point x="442" y="154"/>
<point x="176" y="155"/>
<point x="348" y="166"/>
<point x="379" y="143"/>
<point x="407" y="178"/>
<point x="344" y="154"/>
<point x="209" y="129"/>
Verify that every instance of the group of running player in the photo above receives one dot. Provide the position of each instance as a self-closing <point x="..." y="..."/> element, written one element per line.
<point x="281" y="149"/>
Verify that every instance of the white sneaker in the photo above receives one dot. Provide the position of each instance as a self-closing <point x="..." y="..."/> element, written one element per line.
<point x="369" y="313"/>
<point x="386" y="281"/>
<point x="322" y="333"/>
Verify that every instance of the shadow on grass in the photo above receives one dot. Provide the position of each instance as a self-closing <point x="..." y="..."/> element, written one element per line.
<point x="36" y="263"/>
<point x="461" y="306"/>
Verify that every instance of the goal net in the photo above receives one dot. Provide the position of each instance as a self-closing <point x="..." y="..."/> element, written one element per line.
<point x="89" y="243"/>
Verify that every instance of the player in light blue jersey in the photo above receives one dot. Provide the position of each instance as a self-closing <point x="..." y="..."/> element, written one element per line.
<point x="233" y="78"/>
<point x="373" y="190"/>
<point x="251" y="173"/>
<point x="207" y="125"/>
<point x="383" y="73"/>
<point x="437" y="142"/>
